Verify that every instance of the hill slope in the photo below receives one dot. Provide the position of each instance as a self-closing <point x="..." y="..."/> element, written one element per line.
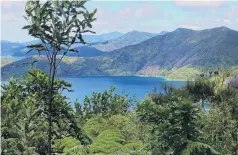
<point x="177" y="55"/>
<point x="204" y="49"/>
<point x="130" y="38"/>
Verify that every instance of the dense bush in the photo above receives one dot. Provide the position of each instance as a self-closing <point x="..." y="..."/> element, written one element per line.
<point x="173" y="122"/>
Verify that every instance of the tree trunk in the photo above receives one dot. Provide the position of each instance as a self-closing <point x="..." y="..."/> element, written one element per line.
<point x="51" y="96"/>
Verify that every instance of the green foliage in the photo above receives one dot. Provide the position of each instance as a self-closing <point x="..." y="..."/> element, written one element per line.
<point x="106" y="103"/>
<point x="171" y="122"/>
<point x="137" y="145"/>
<point x="108" y="141"/>
<point x="94" y="126"/>
<point x="62" y="22"/>
<point x="117" y="132"/>
<point x="57" y="24"/>
<point x="183" y="73"/>
<point x="218" y="129"/>
<point x="197" y="146"/>
<point x="24" y="114"/>
<point x="23" y="125"/>
<point x="66" y="143"/>
<point x="175" y="119"/>
<point x="77" y="150"/>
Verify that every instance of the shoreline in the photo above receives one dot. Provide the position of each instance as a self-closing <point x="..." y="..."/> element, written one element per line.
<point x="146" y="76"/>
<point x="167" y="79"/>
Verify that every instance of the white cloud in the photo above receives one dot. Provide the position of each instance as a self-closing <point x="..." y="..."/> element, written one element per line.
<point x="201" y="3"/>
<point x="144" y="11"/>
<point x="227" y="21"/>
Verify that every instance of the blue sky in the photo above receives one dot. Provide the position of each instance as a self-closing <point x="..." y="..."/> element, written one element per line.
<point x="124" y="16"/>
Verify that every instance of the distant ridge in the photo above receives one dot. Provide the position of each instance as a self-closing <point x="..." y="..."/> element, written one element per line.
<point x="130" y="38"/>
<point x="17" y="49"/>
<point x="179" y="54"/>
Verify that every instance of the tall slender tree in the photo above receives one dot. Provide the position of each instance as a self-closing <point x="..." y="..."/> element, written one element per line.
<point x="58" y="24"/>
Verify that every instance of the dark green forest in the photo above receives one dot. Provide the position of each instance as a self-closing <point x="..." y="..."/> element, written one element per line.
<point x="37" y="119"/>
<point x="174" y="122"/>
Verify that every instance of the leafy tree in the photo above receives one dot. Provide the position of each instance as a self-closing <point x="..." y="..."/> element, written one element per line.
<point x="202" y="90"/>
<point x="70" y="145"/>
<point x="175" y="124"/>
<point x="218" y="129"/>
<point x="22" y="126"/>
<point x="106" y="103"/>
<point x="58" y="24"/>
<point x="24" y="113"/>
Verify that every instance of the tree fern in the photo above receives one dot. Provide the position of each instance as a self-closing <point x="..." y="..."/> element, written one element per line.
<point x="65" y="144"/>
<point x="77" y="150"/>
<point x="197" y="146"/>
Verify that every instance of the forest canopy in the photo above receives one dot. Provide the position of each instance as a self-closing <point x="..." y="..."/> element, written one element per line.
<point x="174" y="122"/>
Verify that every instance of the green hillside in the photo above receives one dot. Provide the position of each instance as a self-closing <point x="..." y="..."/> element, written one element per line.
<point x="180" y="54"/>
<point x="130" y="38"/>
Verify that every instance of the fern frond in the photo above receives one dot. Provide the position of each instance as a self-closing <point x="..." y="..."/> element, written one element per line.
<point x="192" y="146"/>
<point x="77" y="150"/>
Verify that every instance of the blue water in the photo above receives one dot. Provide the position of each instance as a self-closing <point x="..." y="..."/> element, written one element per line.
<point x="139" y="86"/>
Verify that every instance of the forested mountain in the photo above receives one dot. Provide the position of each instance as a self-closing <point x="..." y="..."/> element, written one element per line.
<point x="206" y="49"/>
<point x="130" y="38"/>
<point x="181" y="52"/>
<point x="97" y="44"/>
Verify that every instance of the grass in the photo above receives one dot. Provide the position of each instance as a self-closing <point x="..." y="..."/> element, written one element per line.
<point x="183" y="73"/>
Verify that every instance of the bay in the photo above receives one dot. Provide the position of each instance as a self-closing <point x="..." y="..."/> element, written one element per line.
<point x="134" y="85"/>
<point x="140" y="86"/>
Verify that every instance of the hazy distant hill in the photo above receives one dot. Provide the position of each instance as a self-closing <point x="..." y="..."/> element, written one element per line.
<point x="90" y="38"/>
<point x="19" y="49"/>
<point x="12" y="49"/>
<point x="98" y="44"/>
<point x="102" y="37"/>
<point x="178" y="54"/>
<point x="9" y="48"/>
<point x="130" y="38"/>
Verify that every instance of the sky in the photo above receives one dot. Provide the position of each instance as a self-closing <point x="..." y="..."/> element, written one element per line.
<point x="124" y="16"/>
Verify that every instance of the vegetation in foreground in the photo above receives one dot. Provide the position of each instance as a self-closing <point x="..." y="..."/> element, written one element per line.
<point x="107" y="123"/>
<point x="38" y="119"/>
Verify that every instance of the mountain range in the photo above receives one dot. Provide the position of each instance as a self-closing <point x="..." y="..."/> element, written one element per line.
<point x="179" y="54"/>
<point x="97" y="44"/>
<point x="130" y="38"/>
